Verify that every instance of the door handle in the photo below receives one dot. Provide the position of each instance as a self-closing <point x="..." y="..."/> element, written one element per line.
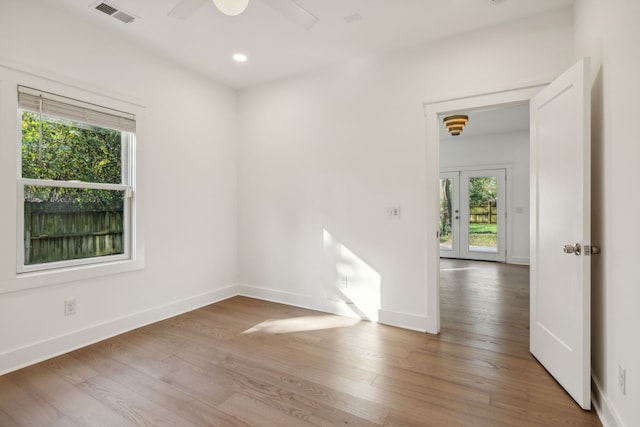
<point x="591" y="250"/>
<point x="572" y="249"/>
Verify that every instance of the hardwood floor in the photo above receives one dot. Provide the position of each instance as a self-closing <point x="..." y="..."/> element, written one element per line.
<point x="244" y="362"/>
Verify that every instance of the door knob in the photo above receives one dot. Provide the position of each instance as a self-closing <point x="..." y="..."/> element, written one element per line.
<point x="572" y="249"/>
<point x="591" y="250"/>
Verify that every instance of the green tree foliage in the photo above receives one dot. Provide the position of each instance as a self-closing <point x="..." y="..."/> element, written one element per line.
<point x="62" y="150"/>
<point x="482" y="190"/>
<point x="445" y="209"/>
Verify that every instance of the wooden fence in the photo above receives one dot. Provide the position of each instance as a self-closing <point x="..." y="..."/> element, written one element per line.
<point x="64" y="231"/>
<point x="483" y="213"/>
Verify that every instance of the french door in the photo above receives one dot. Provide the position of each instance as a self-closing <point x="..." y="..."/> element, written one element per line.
<point x="472" y="215"/>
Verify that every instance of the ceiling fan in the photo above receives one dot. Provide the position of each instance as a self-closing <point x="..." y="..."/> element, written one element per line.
<point x="290" y="9"/>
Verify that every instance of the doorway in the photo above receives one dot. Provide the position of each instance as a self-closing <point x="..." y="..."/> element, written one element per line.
<point x="472" y="214"/>
<point x="560" y="114"/>
<point x="433" y="112"/>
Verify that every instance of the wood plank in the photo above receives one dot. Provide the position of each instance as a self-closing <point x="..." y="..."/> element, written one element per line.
<point x="6" y="420"/>
<point x="326" y="401"/>
<point x="21" y="404"/>
<point x="69" y="399"/>
<point x="256" y="413"/>
<point x="130" y="405"/>
<point x="159" y="392"/>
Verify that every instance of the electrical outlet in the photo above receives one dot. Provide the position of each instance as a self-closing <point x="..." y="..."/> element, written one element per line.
<point x="69" y="307"/>
<point x="622" y="379"/>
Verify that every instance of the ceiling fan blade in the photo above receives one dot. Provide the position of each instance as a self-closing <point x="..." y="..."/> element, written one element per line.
<point x="294" y="12"/>
<point x="185" y="9"/>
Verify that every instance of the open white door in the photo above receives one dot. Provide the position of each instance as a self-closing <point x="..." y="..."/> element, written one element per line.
<point x="561" y="231"/>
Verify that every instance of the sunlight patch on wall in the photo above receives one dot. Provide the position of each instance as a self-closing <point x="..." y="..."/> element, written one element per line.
<point x="350" y="279"/>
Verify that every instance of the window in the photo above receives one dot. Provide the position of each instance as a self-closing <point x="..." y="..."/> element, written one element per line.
<point x="75" y="187"/>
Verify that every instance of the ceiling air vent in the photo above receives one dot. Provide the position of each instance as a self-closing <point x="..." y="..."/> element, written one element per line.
<point x="124" y="17"/>
<point x="109" y="10"/>
<point x="114" y="12"/>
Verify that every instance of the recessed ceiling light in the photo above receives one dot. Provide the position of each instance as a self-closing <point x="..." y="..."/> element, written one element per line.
<point x="240" y="57"/>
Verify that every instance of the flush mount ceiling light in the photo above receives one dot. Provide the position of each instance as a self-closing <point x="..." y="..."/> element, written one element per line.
<point x="231" y="7"/>
<point x="456" y="123"/>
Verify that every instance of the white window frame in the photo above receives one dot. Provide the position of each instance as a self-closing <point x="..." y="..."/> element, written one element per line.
<point x="126" y="188"/>
<point x="128" y="140"/>
<point x="10" y="79"/>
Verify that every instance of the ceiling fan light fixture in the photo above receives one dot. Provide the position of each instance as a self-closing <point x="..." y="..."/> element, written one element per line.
<point x="240" y="57"/>
<point x="231" y="7"/>
<point x="455" y="124"/>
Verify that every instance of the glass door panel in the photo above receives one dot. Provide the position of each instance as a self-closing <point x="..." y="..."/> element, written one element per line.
<point x="483" y="215"/>
<point x="449" y="214"/>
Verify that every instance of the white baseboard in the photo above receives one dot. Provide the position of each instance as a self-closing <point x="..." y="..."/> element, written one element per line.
<point x="21" y="357"/>
<point x="39" y="351"/>
<point x="403" y="320"/>
<point x="297" y="300"/>
<point x="607" y="414"/>
<point x="400" y="320"/>
<point x="518" y="260"/>
<point x="273" y="295"/>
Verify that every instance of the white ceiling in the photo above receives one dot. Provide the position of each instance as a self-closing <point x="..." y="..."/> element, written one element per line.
<point x="506" y="119"/>
<point x="278" y="48"/>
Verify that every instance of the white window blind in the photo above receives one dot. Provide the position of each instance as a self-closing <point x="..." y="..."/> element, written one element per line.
<point x="71" y="109"/>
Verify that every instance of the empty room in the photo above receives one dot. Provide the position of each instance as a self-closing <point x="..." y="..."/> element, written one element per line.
<point x="230" y="212"/>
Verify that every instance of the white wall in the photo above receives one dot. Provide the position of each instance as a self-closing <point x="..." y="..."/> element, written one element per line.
<point x="608" y="32"/>
<point x="187" y="167"/>
<point x="486" y="151"/>
<point x="331" y="150"/>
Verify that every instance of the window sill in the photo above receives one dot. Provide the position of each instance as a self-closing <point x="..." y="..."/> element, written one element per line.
<point x="36" y="279"/>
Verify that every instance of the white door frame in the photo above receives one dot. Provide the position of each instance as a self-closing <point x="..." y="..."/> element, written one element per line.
<point x="432" y="111"/>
